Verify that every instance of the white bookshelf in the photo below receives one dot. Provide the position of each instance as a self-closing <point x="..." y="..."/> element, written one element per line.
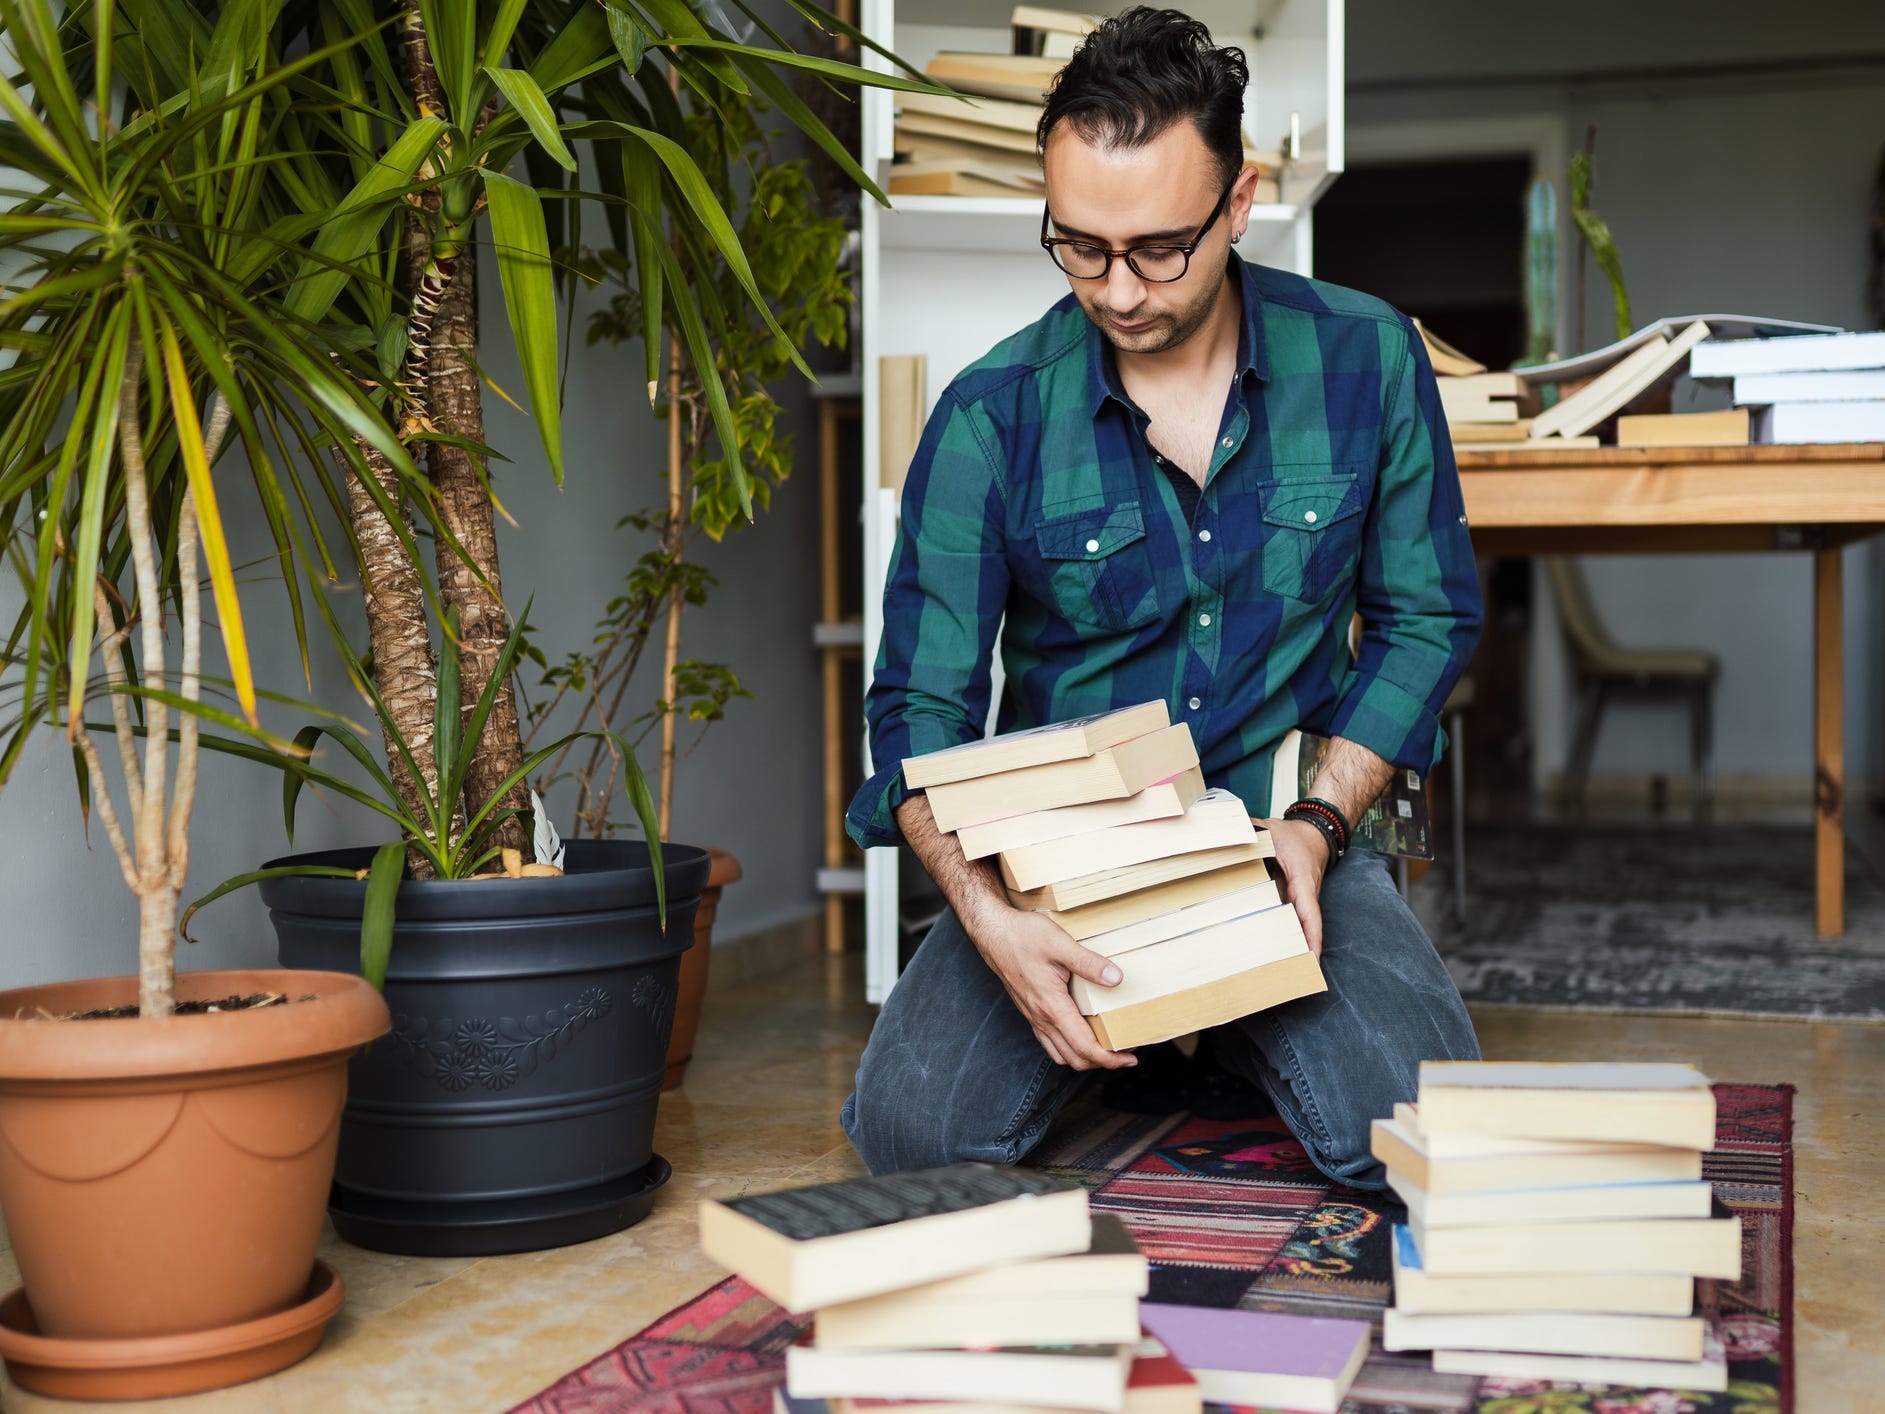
<point x="948" y="277"/>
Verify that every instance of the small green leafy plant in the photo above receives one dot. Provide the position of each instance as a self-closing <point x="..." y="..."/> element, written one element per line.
<point x="456" y="840"/>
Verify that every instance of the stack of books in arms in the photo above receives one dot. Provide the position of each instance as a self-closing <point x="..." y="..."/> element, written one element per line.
<point x="946" y="147"/>
<point x="1809" y="388"/>
<point x="1104" y="825"/>
<point x="989" y="1290"/>
<point x="1556" y="1222"/>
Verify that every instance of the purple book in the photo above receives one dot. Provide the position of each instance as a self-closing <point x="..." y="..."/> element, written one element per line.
<point x="1262" y="1357"/>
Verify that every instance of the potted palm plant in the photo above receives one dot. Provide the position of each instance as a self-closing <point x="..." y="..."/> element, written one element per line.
<point x="455" y="129"/>
<point x="169" y="1139"/>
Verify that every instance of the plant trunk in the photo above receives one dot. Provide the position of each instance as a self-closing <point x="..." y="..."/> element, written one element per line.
<point x="465" y="507"/>
<point x="671" y="647"/>
<point x="404" y="669"/>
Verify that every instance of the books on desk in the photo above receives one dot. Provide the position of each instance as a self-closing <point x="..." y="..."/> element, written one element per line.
<point x="1122" y="848"/>
<point x="1557" y="1222"/>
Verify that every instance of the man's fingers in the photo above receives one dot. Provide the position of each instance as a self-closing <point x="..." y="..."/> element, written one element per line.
<point x="1309" y="913"/>
<point x="1046" y="1038"/>
<point x="1076" y="1036"/>
<point x="1084" y="962"/>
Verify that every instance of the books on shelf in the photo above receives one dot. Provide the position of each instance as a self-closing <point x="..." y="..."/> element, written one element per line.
<point x="1399" y="1144"/>
<point x="1614" y="389"/>
<point x="1447" y="361"/>
<point x="1047" y="32"/>
<point x="1111" y="774"/>
<point x="961" y="176"/>
<point x="1399" y="821"/>
<point x="1215" y="820"/>
<point x="1641" y="1293"/>
<point x="1629" y="1103"/>
<point x="1725" y="428"/>
<point x="1806" y="353"/>
<point x="902" y="404"/>
<point x="1002" y="114"/>
<point x="1071" y="740"/>
<point x="1588" y="1333"/>
<point x="1159" y="801"/>
<point x="1821" y="422"/>
<point x="1263" y="1357"/>
<point x="963" y="127"/>
<point x="832" y="1242"/>
<point x="1020" y="78"/>
<point x="1844" y="386"/>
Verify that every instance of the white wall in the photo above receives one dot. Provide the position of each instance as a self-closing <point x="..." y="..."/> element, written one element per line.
<point x="1737" y="192"/>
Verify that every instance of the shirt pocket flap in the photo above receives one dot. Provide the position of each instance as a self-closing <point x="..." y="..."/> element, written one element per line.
<point x="1311" y="506"/>
<point x="1091" y="535"/>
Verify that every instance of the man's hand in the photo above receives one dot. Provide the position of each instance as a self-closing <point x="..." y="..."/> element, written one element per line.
<point x="1034" y="958"/>
<point x="1303" y="855"/>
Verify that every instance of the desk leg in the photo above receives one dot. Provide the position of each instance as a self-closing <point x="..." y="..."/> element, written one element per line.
<point x="1829" y="747"/>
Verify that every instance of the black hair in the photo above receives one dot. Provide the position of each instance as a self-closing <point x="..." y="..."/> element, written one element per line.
<point x="1142" y="71"/>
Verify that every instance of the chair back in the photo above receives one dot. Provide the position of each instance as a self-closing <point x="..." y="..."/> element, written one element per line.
<point x="1583" y="629"/>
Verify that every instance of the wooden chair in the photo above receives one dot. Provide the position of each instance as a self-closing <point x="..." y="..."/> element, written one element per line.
<point x="1606" y="669"/>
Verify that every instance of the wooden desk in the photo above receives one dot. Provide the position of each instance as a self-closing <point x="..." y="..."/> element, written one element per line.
<point x="1610" y="500"/>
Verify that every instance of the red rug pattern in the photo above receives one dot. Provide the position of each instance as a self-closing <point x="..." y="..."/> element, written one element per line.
<point x="1233" y="1214"/>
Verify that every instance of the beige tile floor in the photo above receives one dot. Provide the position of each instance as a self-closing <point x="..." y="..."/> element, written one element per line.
<point x="759" y="1110"/>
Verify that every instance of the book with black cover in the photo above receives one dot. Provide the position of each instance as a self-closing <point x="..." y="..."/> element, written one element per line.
<point x="832" y="1242"/>
<point x="1399" y="822"/>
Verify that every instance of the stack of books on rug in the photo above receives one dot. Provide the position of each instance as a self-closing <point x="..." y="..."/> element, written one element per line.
<point x="1556" y="1222"/>
<point x="946" y="147"/>
<point x="1104" y="825"/>
<point x="994" y="1289"/>
<point x="1807" y="388"/>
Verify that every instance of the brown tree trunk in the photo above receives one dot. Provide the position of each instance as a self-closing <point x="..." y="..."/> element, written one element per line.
<point x="465" y="507"/>
<point x="404" y="669"/>
<point x="455" y="406"/>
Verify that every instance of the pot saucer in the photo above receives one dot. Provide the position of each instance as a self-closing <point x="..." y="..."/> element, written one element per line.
<point x="492" y="1227"/>
<point x="154" y="1367"/>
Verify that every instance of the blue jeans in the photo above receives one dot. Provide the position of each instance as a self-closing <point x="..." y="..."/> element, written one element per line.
<point x="952" y="1071"/>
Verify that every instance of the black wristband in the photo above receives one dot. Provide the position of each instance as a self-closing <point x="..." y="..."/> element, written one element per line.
<point x="1324" y="827"/>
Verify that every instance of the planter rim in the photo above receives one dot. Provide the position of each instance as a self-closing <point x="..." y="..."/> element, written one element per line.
<point x="595" y="883"/>
<point x="345" y="1013"/>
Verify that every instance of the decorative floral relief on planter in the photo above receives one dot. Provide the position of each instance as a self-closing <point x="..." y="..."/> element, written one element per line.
<point x="656" y="997"/>
<point x="494" y="1054"/>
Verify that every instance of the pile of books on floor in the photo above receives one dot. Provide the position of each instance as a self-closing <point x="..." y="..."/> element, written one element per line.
<point x="1556" y="1222"/>
<point x="1104" y="825"/>
<point x="948" y="147"/>
<point x="1808" y="388"/>
<point x="995" y="1289"/>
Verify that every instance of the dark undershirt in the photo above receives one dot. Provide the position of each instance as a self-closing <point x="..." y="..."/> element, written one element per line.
<point x="1187" y="490"/>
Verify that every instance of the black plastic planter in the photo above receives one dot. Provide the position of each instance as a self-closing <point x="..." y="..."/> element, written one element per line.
<point x="513" y="1106"/>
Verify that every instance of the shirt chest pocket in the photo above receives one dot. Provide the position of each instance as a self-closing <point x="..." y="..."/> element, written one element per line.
<point x="1311" y="535"/>
<point x="1098" y="567"/>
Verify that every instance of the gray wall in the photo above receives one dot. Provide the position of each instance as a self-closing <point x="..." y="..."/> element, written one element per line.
<point x="752" y="788"/>
<point x="1737" y="192"/>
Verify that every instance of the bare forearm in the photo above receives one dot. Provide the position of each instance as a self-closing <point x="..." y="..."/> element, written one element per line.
<point x="972" y="887"/>
<point x="1351" y="777"/>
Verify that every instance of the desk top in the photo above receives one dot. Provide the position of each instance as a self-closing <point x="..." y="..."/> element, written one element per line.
<point x="1674" y="498"/>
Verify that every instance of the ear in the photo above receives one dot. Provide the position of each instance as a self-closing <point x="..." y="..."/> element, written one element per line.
<point x="1241" y="197"/>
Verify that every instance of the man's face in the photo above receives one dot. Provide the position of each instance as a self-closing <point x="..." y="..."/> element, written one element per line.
<point x="1159" y="193"/>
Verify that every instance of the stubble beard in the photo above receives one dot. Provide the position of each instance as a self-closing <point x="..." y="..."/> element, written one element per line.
<point x="1168" y="331"/>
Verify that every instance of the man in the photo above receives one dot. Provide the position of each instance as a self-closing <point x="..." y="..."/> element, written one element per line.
<point x="1182" y="482"/>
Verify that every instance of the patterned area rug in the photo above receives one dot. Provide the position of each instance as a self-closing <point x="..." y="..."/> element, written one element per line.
<point x="1715" y="921"/>
<point x="1232" y="1214"/>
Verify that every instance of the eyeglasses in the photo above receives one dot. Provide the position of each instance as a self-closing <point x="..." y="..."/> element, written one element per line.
<point x="1157" y="264"/>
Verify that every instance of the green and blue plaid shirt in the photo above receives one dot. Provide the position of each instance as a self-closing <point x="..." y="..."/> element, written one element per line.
<point x="1036" y="494"/>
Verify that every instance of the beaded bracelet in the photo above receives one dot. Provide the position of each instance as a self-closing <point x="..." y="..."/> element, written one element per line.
<point x="1326" y="818"/>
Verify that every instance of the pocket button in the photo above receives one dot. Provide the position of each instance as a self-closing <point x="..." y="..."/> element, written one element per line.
<point x="1309" y="516"/>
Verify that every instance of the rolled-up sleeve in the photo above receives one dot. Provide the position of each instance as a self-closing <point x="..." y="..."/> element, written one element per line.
<point x="943" y="603"/>
<point x="1418" y="591"/>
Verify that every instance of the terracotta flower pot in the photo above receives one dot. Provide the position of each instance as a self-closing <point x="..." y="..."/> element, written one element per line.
<point x="693" y="982"/>
<point x="167" y="1176"/>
